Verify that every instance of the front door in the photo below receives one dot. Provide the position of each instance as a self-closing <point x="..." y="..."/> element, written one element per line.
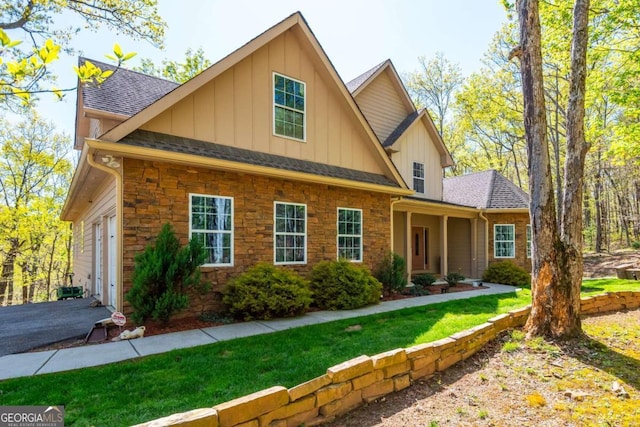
<point x="97" y="278"/>
<point x="420" y="248"/>
<point x="111" y="248"/>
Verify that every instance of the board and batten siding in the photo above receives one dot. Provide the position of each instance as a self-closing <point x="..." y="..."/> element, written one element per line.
<point x="102" y="206"/>
<point x="236" y="109"/>
<point x="415" y="145"/>
<point x="382" y="106"/>
<point x="459" y="245"/>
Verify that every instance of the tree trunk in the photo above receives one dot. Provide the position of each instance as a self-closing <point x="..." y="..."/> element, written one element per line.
<point x="6" y="280"/>
<point x="571" y="227"/>
<point x="542" y="207"/>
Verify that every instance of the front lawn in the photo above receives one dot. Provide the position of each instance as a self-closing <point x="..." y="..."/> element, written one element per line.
<point x="151" y="387"/>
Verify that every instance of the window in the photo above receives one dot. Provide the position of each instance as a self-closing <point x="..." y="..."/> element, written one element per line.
<point x="529" y="241"/>
<point x="290" y="243"/>
<point x="350" y="234"/>
<point x="418" y="177"/>
<point x="212" y="223"/>
<point x="504" y="242"/>
<point x="288" y="107"/>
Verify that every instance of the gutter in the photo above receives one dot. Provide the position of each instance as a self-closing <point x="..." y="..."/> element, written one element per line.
<point x="119" y="233"/>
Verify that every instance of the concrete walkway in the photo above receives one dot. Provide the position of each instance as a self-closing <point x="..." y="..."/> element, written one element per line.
<point x="28" y="364"/>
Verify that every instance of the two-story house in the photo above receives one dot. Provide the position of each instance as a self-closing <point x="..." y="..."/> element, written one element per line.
<point x="267" y="156"/>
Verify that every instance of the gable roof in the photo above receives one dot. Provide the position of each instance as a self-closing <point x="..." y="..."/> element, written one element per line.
<point x="125" y="92"/>
<point x="355" y="84"/>
<point x="295" y="23"/>
<point x="484" y="190"/>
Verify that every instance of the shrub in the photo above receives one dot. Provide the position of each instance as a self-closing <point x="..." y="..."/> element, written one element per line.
<point x="452" y="278"/>
<point x="342" y="285"/>
<point x="392" y="273"/>
<point x="635" y="245"/>
<point x="425" y="279"/>
<point x="266" y="292"/>
<point x="162" y="276"/>
<point x="506" y="273"/>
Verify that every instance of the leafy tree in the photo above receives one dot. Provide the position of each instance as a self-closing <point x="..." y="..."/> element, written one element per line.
<point x="25" y="66"/>
<point x="163" y="275"/>
<point x="179" y="72"/>
<point x="34" y="176"/>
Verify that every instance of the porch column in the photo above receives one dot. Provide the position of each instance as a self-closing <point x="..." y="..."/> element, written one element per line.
<point x="444" y="258"/>
<point x="474" y="248"/>
<point x="409" y="248"/>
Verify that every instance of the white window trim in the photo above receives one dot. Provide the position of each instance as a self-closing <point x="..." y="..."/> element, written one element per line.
<point x="529" y="241"/>
<point x="274" y="105"/>
<point x="338" y="235"/>
<point x="422" y="178"/>
<point x="232" y="232"/>
<point x="512" y="241"/>
<point x="306" y="239"/>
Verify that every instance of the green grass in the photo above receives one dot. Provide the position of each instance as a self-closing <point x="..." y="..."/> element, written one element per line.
<point x="151" y="387"/>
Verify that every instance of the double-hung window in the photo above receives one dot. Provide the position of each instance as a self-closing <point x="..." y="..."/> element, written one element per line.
<point x="211" y="222"/>
<point x="529" y="241"/>
<point x="288" y="107"/>
<point x="350" y="234"/>
<point x="504" y="241"/>
<point x="418" y="177"/>
<point x="290" y="233"/>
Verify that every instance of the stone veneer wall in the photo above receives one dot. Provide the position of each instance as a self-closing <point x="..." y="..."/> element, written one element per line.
<point x="364" y="379"/>
<point x="156" y="193"/>
<point x="520" y="220"/>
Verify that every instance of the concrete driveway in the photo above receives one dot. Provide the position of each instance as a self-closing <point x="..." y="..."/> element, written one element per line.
<point x="27" y="326"/>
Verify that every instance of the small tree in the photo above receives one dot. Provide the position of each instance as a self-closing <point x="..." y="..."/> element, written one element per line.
<point x="163" y="274"/>
<point x="392" y="273"/>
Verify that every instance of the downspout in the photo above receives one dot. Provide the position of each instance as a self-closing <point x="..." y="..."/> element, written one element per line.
<point x="486" y="239"/>
<point x="119" y="243"/>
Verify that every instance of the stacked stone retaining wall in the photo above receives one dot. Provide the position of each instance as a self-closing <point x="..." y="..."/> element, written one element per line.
<point x="367" y="378"/>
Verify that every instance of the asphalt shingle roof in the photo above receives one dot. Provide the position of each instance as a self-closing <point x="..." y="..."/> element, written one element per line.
<point x="178" y="144"/>
<point x="354" y="84"/>
<point x="125" y="92"/>
<point x="403" y="126"/>
<point x="484" y="190"/>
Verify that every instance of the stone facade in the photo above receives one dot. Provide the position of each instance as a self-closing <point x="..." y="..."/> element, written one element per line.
<point x="520" y="220"/>
<point x="156" y="193"/>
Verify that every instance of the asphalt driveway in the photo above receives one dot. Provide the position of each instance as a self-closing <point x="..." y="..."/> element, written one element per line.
<point x="27" y="326"/>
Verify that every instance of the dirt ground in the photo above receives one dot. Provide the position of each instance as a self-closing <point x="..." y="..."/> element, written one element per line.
<point x="604" y="264"/>
<point x="593" y="381"/>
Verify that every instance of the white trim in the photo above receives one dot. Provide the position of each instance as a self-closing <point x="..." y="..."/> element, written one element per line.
<point x="274" y="105"/>
<point x="231" y="232"/>
<point x="275" y="234"/>
<point x="513" y="226"/>
<point x="338" y="235"/>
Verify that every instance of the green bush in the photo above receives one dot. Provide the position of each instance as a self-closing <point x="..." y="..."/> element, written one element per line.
<point x="266" y="292"/>
<point x="424" y="280"/>
<point x="506" y="273"/>
<point x="162" y="276"/>
<point x="452" y="278"/>
<point x="635" y="245"/>
<point x="392" y="273"/>
<point x="342" y="285"/>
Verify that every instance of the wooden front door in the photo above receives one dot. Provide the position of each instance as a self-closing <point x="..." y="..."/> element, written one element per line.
<point x="420" y="248"/>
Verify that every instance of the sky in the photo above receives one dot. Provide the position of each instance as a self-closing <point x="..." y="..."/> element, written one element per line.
<point x="355" y="34"/>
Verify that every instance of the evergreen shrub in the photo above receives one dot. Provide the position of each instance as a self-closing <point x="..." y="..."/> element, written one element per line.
<point x="342" y="285"/>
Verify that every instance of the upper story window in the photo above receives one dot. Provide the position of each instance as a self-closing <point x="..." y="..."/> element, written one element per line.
<point x="504" y="241"/>
<point x="350" y="234"/>
<point x="211" y="221"/>
<point x="290" y="233"/>
<point x="418" y="177"/>
<point x="289" y="106"/>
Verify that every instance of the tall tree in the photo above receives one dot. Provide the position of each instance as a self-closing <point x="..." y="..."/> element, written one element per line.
<point x="34" y="175"/>
<point x="557" y="250"/>
<point x="194" y="63"/>
<point x="25" y="64"/>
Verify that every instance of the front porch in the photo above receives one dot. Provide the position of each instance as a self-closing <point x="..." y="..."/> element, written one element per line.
<point x="439" y="238"/>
